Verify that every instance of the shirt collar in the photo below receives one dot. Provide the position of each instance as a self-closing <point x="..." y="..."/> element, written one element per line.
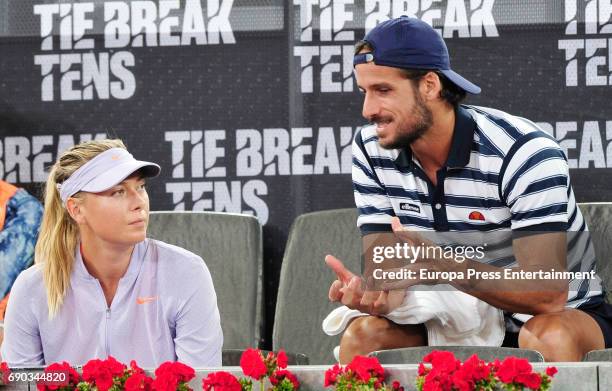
<point x="461" y="143"/>
<point x="133" y="269"/>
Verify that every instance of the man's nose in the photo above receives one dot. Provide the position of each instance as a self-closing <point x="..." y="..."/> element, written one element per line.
<point x="370" y="107"/>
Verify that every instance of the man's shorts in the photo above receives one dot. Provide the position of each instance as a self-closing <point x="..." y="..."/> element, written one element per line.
<point x="600" y="311"/>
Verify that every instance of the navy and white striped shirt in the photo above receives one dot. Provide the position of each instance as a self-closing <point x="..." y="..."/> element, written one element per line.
<point x="503" y="174"/>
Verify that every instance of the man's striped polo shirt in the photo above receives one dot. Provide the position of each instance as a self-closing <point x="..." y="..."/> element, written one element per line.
<point x="503" y="174"/>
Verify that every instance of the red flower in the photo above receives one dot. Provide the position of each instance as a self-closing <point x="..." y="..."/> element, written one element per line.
<point x="5" y="371"/>
<point x="221" y="381"/>
<point x="366" y="367"/>
<point x="164" y="382"/>
<point x="423" y="370"/>
<point x="447" y="373"/>
<point x="511" y="367"/>
<point x="72" y="378"/>
<point x="102" y="372"/>
<point x="281" y="374"/>
<point x="472" y="371"/>
<point x="433" y="386"/>
<point x="462" y="380"/>
<point x="183" y="373"/>
<point x="438" y="379"/>
<point x="396" y="386"/>
<point x="443" y="360"/>
<point x="494" y="366"/>
<point x="331" y="375"/>
<point x="134" y="368"/>
<point x="91" y="369"/>
<point x="252" y="364"/>
<point x="169" y="375"/>
<point x="115" y="367"/>
<point x="442" y="376"/>
<point x="138" y="381"/>
<point x="530" y="380"/>
<point x="281" y="359"/>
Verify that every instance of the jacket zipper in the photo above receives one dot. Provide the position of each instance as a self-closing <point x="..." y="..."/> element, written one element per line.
<point x="108" y="318"/>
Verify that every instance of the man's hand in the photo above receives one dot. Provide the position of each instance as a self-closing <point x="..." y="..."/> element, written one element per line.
<point x="544" y="251"/>
<point x="347" y="289"/>
<point x="433" y="265"/>
<point x="411" y="237"/>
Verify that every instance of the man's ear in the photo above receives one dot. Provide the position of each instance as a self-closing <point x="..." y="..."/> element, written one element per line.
<point x="74" y="207"/>
<point x="430" y="86"/>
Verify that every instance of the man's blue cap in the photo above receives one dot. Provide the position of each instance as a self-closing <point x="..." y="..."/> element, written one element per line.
<point x="410" y="43"/>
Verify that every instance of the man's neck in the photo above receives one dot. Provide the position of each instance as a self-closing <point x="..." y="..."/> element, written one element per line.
<point x="433" y="148"/>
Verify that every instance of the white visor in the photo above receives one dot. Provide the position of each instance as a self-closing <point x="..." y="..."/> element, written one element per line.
<point x="105" y="171"/>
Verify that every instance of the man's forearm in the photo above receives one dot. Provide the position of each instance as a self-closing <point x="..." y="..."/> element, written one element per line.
<point x="513" y="295"/>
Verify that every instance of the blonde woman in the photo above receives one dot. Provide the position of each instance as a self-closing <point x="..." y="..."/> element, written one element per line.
<point x="99" y="286"/>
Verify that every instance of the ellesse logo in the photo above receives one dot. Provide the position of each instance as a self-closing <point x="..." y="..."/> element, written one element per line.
<point x="409" y="207"/>
<point x="475" y="215"/>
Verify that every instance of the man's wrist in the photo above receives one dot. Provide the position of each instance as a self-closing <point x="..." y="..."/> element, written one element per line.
<point x="452" y="265"/>
<point x="459" y="272"/>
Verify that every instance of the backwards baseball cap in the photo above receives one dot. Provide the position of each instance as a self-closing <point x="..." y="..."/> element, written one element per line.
<point x="105" y="171"/>
<point x="410" y="43"/>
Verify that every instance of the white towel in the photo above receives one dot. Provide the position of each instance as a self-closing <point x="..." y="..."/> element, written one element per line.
<point x="451" y="317"/>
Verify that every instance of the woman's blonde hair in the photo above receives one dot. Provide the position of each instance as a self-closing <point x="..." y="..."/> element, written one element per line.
<point x="59" y="233"/>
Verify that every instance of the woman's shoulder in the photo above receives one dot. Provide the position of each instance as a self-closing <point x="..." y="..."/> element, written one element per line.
<point x="180" y="267"/>
<point x="29" y="282"/>
<point x="169" y="254"/>
<point x="31" y="276"/>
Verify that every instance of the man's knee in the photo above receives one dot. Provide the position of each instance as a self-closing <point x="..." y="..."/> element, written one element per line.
<point x="563" y="336"/>
<point x="366" y="330"/>
<point x="362" y="336"/>
<point x="548" y="330"/>
<point x="554" y="337"/>
<point x="369" y="333"/>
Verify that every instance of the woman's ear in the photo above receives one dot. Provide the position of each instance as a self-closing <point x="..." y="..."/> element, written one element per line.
<point x="74" y="207"/>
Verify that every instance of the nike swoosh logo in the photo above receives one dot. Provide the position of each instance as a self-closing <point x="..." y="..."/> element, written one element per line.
<point x="144" y="300"/>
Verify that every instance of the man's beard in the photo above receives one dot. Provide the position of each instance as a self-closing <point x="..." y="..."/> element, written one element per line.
<point x="407" y="134"/>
